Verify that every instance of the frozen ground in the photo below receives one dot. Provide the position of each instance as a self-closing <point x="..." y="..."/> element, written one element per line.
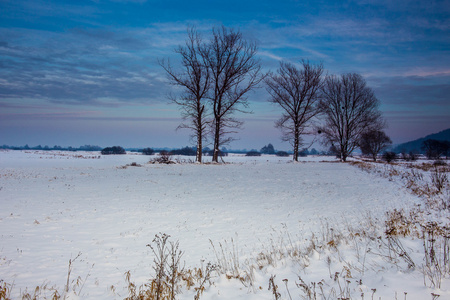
<point x="55" y="205"/>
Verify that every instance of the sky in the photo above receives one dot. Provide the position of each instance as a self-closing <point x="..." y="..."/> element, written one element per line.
<point x="86" y="72"/>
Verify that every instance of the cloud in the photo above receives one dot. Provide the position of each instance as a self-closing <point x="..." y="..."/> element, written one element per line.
<point x="79" y="65"/>
<point x="270" y="55"/>
<point x="82" y="116"/>
<point x="88" y="56"/>
<point x="428" y="92"/>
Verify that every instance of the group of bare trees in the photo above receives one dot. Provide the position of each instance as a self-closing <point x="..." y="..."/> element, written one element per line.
<point x="217" y="74"/>
<point x="216" y="77"/>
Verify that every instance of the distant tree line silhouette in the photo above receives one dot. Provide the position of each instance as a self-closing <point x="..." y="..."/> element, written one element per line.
<point x="56" y="147"/>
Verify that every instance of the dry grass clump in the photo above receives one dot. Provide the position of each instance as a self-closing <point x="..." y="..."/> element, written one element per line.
<point x="162" y="158"/>
<point x="427" y="166"/>
<point x="170" y="276"/>
<point x="436" y="244"/>
<point x="439" y="178"/>
<point x="45" y="291"/>
<point x="192" y="279"/>
<point x="133" y="164"/>
<point x="399" y="224"/>
<point x="5" y="290"/>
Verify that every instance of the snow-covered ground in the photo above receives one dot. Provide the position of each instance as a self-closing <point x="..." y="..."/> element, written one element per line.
<point x="55" y="205"/>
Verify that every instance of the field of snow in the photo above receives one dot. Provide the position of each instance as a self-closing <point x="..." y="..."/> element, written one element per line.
<point x="55" y="205"/>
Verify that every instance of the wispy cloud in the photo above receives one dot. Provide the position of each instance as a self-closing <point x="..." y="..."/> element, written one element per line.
<point x="81" y="65"/>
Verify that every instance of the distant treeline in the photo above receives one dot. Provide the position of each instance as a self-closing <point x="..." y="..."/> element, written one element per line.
<point x="39" y="147"/>
<point x="187" y="151"/>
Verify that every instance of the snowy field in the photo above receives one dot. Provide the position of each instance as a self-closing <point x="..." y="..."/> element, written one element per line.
<point x="55" y="205"/>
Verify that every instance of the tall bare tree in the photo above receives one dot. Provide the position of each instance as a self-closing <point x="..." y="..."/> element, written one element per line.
<point x="373" y="142"/>
<point x="350" y="108"/>
<point x="235" y="71"/>
<point x="297" y="91"/>
<point x="195" y="81"/>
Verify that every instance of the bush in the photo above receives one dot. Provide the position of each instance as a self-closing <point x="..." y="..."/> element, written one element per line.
<point x="268" y="149"/>
<point x="439" y="178"/>
<point x="304" y="152"/>
<point x="163" y="158"/>
<point x="148" y="151"/>
<point x="187" y="151"/>
<point x="439" y="162"/>
<point x="253" y="153"/>
<point x="413" y="155"/>
<point x="113" y="150"/>
<point x="221" y="153"/>
<point x="282" y="154"/>
<point x="389" y="156"/>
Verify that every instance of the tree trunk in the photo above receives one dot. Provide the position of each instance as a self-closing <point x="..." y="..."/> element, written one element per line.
<point x="199" y="147"/>
<point x="216" y="141"/>
<point x="296" y="144"/>
<point x="199" y="131"/>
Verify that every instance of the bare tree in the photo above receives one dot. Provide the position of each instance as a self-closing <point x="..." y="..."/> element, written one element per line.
<point x="434" y="149"/>
<point x="195" y="81"/>
<point x="350" y="108"/>
<point x="296" y="90"/>
<point x="374" y="142"/>
<point x="234" y="72"/>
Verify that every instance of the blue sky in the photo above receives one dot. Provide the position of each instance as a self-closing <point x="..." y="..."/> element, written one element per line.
<point x="86" y="72"/>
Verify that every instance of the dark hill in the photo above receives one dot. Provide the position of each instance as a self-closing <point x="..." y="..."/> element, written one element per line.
<point x="416" y="145"/>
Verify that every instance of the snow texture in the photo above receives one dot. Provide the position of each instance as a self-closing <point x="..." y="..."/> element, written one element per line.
<point x="55" y="205"/>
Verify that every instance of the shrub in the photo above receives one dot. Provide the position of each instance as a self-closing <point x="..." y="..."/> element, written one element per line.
<point x="439" y="178"/>
<point x="253" y="153"/>
<point x="407" y="156"/>
<point x="187" y="151"/>
<point x="439" y="162"/>
<point x="304" y="152"/>
<point x="163" y="158"/>
<point x="268" y="149"/>
<point x="389" y="156"/>
<point x="434" y="149"/>
<point x="282" y="154"/>
<point x="221" y="153"/>
<point x="113" y="150"/>
<point x="148" y="151"/>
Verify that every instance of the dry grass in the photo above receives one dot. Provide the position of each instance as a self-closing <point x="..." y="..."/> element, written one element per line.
<point x="427" y="180"/>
